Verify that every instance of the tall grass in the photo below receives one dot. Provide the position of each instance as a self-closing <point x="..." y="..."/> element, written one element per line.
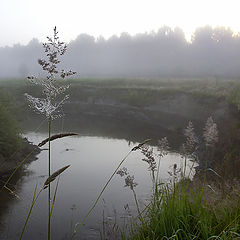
<point x="50" y="104"/>
<point x="184" y="208"/>
<point x="184" y="212"/>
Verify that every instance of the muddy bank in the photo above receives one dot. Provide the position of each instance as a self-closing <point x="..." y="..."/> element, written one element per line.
<point x="9" y="164"/>
<point x="138" y="114"/>
<point x="164" y="115"/>
<point x="162" y="109"/>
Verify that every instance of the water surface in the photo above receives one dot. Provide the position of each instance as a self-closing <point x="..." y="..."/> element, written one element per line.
<point x="92" y="160"/>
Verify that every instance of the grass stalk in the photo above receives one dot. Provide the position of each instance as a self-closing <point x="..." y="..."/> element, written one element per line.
<point x="35" y="197"/>
<point x="100" y="194"/>
<point x="49" y="174"/>
<point x="54" y="197"/>
<point x="137" y="205"/>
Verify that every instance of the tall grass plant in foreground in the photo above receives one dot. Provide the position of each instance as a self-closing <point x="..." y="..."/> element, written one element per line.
<point x="50" y="104"/>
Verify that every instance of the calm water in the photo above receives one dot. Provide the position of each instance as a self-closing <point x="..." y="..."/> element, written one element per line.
<point x="92" y="160"/>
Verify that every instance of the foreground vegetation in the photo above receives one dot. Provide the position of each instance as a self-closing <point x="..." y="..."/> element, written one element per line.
<point x="190" y="212"/>
<point x="205" y="207"/>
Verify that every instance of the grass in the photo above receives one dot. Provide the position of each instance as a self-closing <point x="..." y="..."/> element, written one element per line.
<point x="181" y="213"/>
<point x="202" y="208"/>
<point x="186" y="214"/>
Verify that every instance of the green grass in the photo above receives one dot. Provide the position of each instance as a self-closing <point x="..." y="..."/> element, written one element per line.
<point x="190" y="212"/>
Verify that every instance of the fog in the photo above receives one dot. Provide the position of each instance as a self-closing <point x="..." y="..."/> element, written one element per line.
<point x="212" y="52"/>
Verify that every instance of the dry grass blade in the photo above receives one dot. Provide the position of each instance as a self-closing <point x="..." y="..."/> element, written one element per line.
<point x="56" y="136"/>
<point x="54" y="175"/>
<point x="141" y="144"/>
<point x="12" y="192"/>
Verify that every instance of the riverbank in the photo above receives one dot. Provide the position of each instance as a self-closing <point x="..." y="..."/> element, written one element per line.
<point x="139" y="109"/>
<point x="9" y="164"/>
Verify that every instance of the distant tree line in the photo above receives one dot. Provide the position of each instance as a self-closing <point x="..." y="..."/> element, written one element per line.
<point x="212" y="52"/>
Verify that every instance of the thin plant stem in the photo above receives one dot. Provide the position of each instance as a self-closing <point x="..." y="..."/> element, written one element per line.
<point x="35" y="197"/>
<point x="154" y="182"/>
<point x="206" y="165"/>
<point x="12" y="192"/>
<point x="185" y="166"/>
<point x="155" y="193"/>
<point x="138" y="209"/>
<point x="158" y="170"/>
<point x="96" y="201"/>
<point x="49" y="174"/>
<point x="54" y="197"/>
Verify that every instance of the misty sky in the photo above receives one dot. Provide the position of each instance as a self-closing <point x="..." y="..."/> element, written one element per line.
<point x="24" y="20"/>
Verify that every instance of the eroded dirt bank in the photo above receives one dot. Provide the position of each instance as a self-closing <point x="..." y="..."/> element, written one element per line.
<point x="9" y="164"/>
<point x="164" y="115"/>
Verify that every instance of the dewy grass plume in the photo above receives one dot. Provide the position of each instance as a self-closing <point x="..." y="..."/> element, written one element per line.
<point x="50" y="104"/>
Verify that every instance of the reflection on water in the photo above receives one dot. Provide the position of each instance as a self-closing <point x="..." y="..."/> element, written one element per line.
<point x="92" y="160"/>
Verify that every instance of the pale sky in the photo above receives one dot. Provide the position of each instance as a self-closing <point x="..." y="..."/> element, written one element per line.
<point x="23" y="20"/>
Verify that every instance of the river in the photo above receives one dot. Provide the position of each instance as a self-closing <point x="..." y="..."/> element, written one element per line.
<point x="93" y="159"/>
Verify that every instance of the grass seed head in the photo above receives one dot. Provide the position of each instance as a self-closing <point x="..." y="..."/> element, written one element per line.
<point x="210" y="132"/>
<point x="53" y="176"/>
